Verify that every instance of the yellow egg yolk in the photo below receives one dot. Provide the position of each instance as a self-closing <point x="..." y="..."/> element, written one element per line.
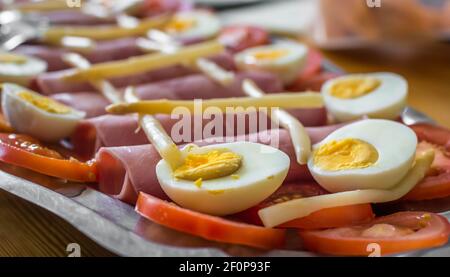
<point x="352" y="88"/>
<point x="345" y="154"/>
<point x="44" y="103"/>
<point x="12" y="58"/>
<point x="179" y="25"/>
<point x="211" y="165"/>
<point x="266" y="55"/>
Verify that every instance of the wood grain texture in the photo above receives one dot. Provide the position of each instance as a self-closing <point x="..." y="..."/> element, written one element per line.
<point x="27" y="230"/>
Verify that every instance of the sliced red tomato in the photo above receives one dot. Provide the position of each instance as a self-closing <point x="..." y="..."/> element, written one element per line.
<point x="238" y="38"/>
<point x="26" y="152"/>
<point x="206" y="226"/>
<point x="313" y="64"/>
<point x="326" y="218"/>
<point x="151" y="7"/>
<point x="156" y="7"/>
<point x="437" y="182"/>
<point x="400" y="232"/>
<point x="433" y="134"/>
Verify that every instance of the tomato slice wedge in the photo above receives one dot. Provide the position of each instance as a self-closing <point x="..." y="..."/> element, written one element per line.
<point x="206" y="226"/>
<point x="437" y="182"/>
<point x="433" y="134"/>
<point x="326" y="218"/>
<point x="26" y="152"/>
<point x="238" y="38"/>
<point x="400" y="232"/>
<point x="157" y="7"/>
<point x="313" y="64"/>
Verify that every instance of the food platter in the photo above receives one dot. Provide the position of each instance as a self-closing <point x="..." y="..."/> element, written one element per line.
<point x="89" y="133"/>
<point x="117" y="227"/>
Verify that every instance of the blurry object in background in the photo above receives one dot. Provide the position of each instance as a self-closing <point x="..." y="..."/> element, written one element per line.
<point x="354" y="23"/>
<point x="446" y="20"/>
<point x="156" y="7"/>
<point x="291" y="17"/>
<point x="226" y="3"/>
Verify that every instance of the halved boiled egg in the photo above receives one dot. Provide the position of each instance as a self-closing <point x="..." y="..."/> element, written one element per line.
<point x="226" y="178"/>
<point x="377" y="95"/>
<point x="193" y="25"/>
<point x="20" y="69"/>
<point x="41" y="117"/>
<point x="283" y="58"/>
<point x="368" y="154"/>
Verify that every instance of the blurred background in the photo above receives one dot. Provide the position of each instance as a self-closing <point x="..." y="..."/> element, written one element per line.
<point x="409" y="37"/>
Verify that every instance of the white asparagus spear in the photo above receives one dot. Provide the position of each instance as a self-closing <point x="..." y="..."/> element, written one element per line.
<point x="143" y="63"/>
<point x="299" y="136"/>
<point x="157" y="135"/>
<point x="165" y="106"/>
<point x="159" y="41"/>
<point x="105" y="87"/>
<point x="55" y="33"/>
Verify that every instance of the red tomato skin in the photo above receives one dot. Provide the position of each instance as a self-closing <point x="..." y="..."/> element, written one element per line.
<point x="339" y="241"/>
<point x="433" y="134"/>
<point x="313" y="64"/>
<point x="437" y="182"/>
<point x="432" y="187"/>
<point x="206" y="226"/>
<point x="24" y="154"/>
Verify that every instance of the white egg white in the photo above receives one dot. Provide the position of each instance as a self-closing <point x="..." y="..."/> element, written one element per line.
<point x="207" y="25"/>
<point x="385" y="102"/>
<point x="396" y="146"/>
<point x="21" y="73"/>
<point x="26" y="118"/>
<point x="286" y="67"/>
<point x="263" y="170"/>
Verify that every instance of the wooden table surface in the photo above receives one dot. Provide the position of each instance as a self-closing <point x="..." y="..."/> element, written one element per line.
<point x="27" y="230"/>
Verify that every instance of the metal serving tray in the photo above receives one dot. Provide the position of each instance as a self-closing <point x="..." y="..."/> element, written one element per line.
<point x="117" y="227"/>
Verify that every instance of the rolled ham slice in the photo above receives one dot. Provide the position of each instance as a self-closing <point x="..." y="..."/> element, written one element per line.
<point x="104" y="51"/>
<point x="125" y="171"/>
<point x="52" y="82"/>
<point x="113" y="130"/>
<point x="195" y="86"/>
<point x="74" y="17"/>
<point x="92" y="103"/>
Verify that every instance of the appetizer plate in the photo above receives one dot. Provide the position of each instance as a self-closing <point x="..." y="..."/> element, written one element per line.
<point x="117" y="227"/>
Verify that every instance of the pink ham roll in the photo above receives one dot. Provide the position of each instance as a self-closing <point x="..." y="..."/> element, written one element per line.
<point x="52" y="82"/>
<point x="104" y="51"/>
<point x="125" y="171"/>
<point x="113" y="131"/>
<point x="73" y="17"/>
<point x="195" y="86"/>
